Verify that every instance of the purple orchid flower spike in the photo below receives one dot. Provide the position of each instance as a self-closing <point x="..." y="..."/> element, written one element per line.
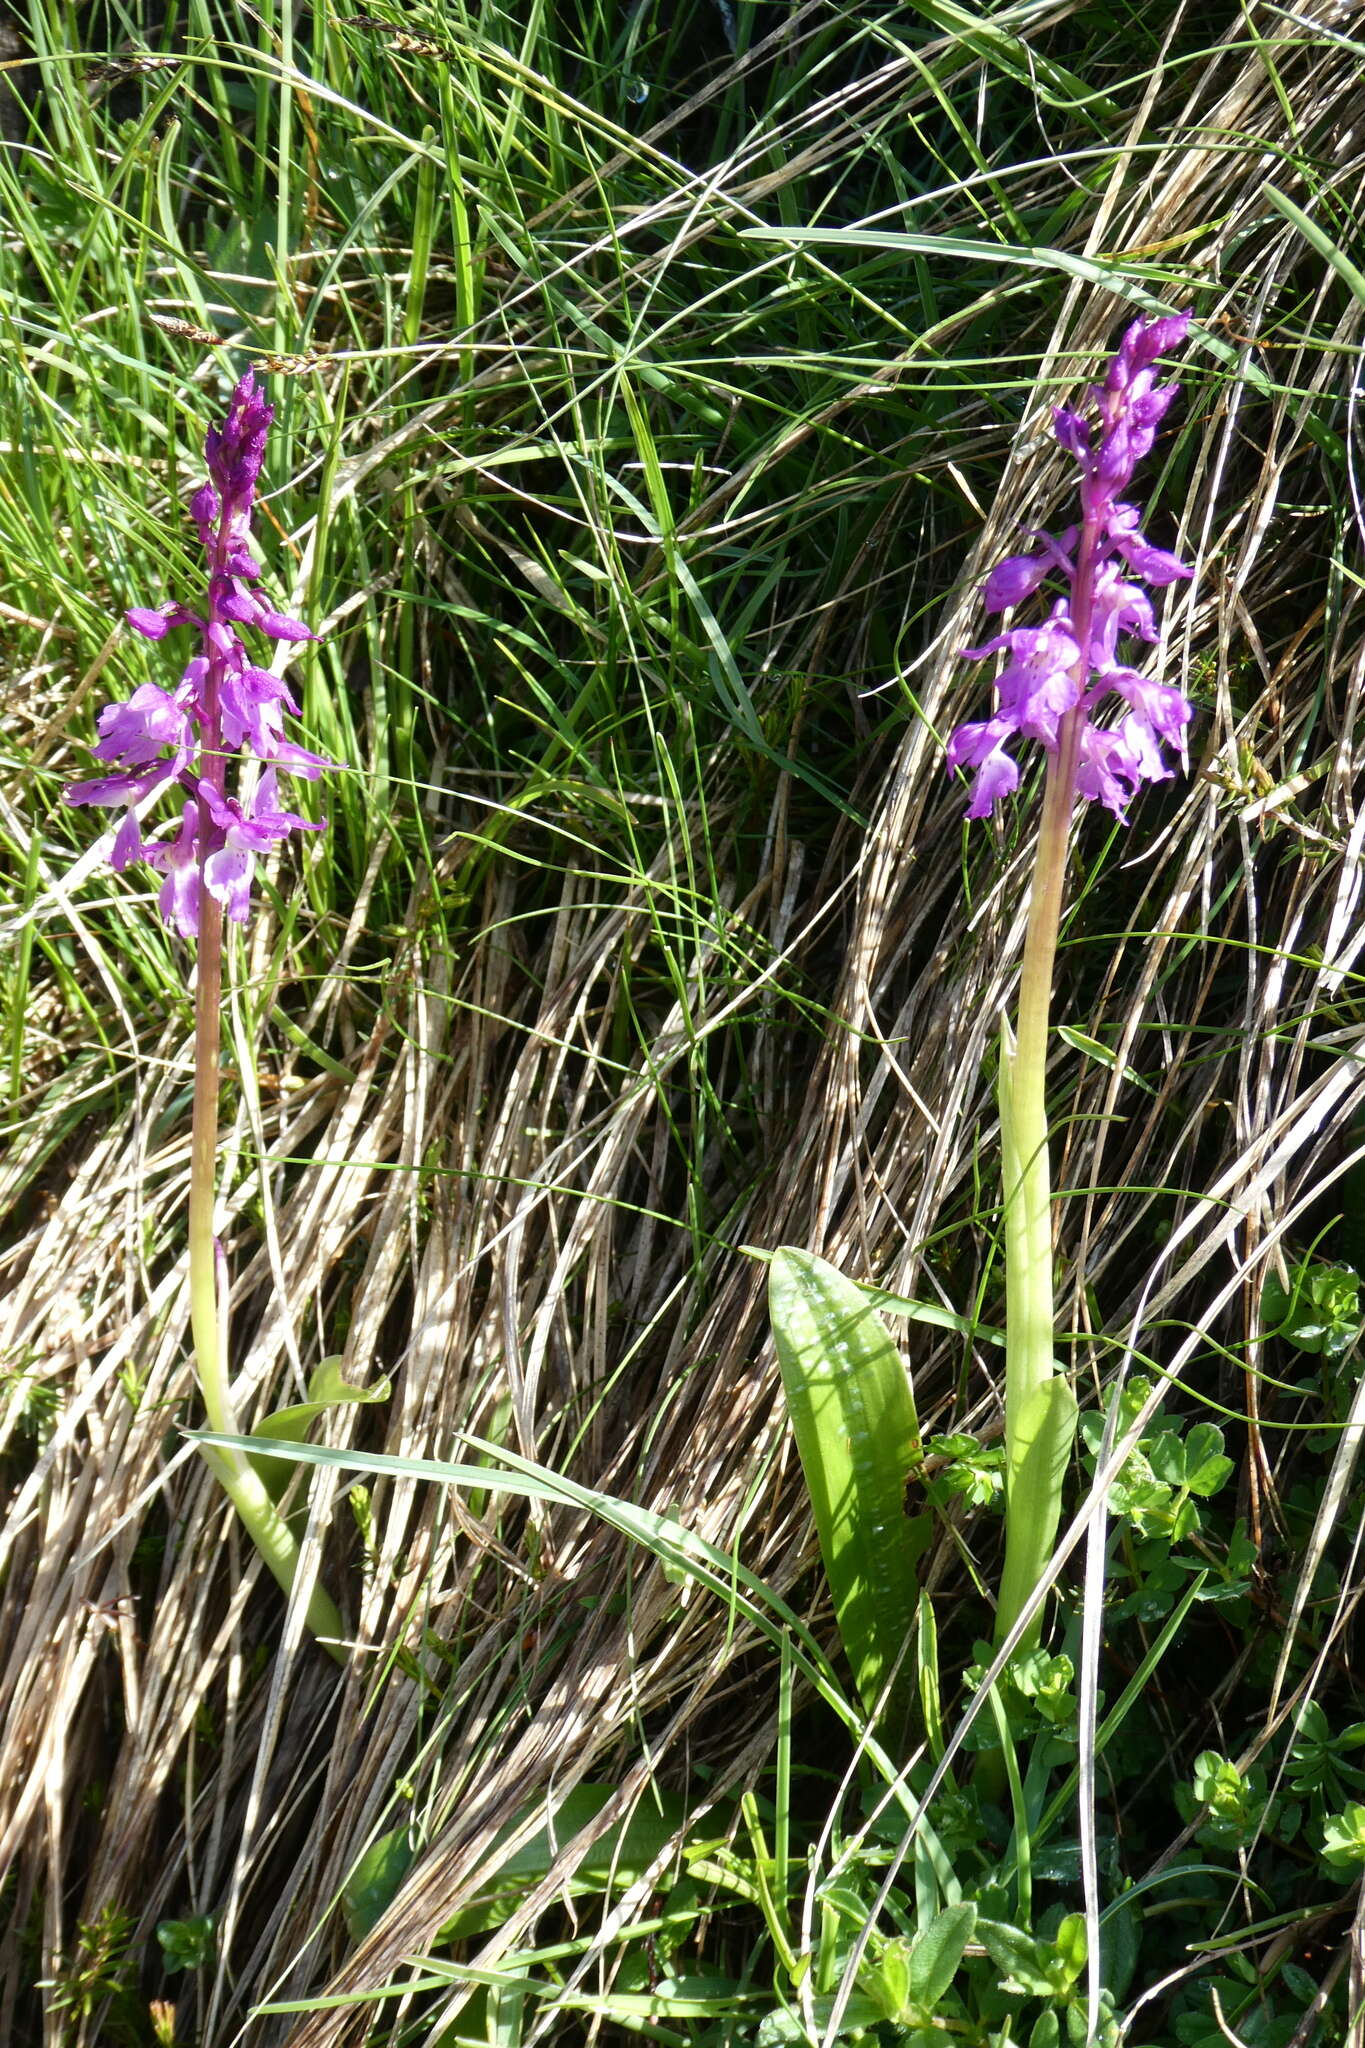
<point x="226" y="712"/>
<point x="1058" y="673"/>
<point x="222" y="725"/>
<point x="1054" y="679"/>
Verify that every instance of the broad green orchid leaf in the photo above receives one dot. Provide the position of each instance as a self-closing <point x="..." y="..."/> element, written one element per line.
<point x="853" y="1417"/>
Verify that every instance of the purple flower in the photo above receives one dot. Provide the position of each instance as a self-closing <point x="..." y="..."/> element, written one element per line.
<point x="225" y="712"/>
<point x="127" y="846"/>
<point x="121" y="789"/>
<point x="1014" y="579"/>
<point x="155" y="625"/>
<point x="1058" y="673"/>
<point x="136" y="732"/>
<point x="1039" y="686"/>
<point x="178" y="860"/>
<point x="1162" y="710"/>
<point x="983" y="747"/>
<point x="1155" y="564"/>
<point x="246" y="829"/>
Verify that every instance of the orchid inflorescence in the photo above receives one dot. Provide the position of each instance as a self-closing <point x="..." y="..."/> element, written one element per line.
<point x="224" y="707"/>
<point x="1058" y="673"/>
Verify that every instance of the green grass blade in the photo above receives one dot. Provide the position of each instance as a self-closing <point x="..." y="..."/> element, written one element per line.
<point x="1318" y="239"/>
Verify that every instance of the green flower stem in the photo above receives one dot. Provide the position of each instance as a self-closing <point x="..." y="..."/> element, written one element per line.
<point x="1027" y="1175"/>
<point x="240" y="1480"/>
<point x="1038" y="1424"/>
